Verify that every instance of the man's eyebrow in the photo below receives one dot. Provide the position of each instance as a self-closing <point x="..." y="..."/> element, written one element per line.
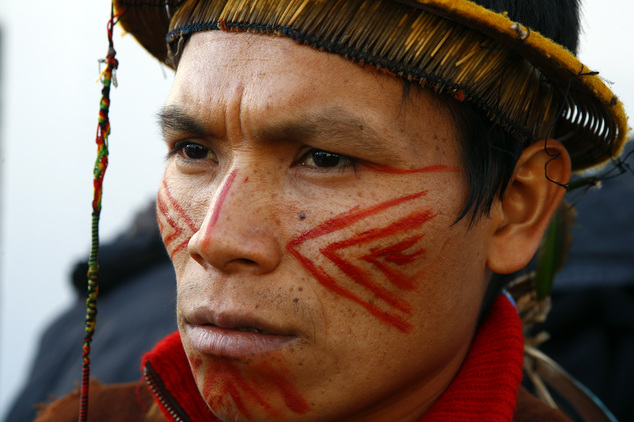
<point x="334" y="124"/>
<point x="173" y="118"/>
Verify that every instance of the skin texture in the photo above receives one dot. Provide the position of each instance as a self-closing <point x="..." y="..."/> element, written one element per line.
<point x="356" y="267"/>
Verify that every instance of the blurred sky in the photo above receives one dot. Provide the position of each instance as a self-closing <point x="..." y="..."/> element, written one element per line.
<point x="49" y="104"/>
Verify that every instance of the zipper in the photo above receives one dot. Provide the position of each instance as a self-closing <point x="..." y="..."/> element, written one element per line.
<point x="164" y="397"/>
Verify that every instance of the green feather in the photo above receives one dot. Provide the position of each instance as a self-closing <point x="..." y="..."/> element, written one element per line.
<point x="553" y="251"/>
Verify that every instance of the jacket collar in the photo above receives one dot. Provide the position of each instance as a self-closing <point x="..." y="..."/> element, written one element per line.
<point x="485" y="387"/>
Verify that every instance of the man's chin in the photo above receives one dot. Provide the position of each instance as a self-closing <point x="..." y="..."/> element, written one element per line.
<point x="257" y="388"/>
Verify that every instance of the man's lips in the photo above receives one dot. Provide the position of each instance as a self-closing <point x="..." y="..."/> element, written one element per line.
<point x="233" y="335"/>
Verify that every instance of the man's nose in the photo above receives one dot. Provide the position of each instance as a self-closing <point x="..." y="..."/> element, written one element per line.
<point x="238" y="232"/>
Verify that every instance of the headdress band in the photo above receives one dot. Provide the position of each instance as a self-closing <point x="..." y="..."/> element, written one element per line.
<point x="526" y="83"/>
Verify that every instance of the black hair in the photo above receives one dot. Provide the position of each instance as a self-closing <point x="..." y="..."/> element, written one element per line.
<point x="489" y="153"/>
<point x="555" y="19"/>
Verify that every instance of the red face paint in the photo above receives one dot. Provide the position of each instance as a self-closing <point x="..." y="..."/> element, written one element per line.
<point x="293" y="400"/>
<point x="428" y="169"/>
<point x="224" y="384"/>
<point x="394" y="255"/>
<point x="218" y="207"/>
<point x="196" y="361"/>
<point x="223" y="381"/>
<point x="182" y="227"/>
<point x="381" y="258"/>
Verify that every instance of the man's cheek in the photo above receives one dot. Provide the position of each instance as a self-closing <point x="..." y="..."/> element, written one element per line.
<point x="233" y="388"/>
<point x="380" y="265"/>
<point x="175" y="224"/>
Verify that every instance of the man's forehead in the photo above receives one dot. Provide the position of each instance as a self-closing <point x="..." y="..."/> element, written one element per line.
<point x="267" y="69"/>
<point x="266" y="57"/>
<point x="228" y="48"/>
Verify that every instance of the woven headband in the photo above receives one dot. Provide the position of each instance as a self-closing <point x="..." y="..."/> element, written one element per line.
<point x="525" y="82"/>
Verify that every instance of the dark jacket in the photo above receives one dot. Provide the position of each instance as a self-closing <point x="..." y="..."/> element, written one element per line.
<point x="135" y="309"/>
<point x="134" y="402"/>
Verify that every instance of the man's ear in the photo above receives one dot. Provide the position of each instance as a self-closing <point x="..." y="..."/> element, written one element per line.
<point x="530" y="199"/>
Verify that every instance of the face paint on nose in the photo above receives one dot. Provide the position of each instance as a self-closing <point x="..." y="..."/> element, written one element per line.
<point x="217" y="208"/>
<point x="175" y="225"/>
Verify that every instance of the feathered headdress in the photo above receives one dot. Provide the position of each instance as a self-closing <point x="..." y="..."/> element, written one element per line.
<point x="525" y="82"/>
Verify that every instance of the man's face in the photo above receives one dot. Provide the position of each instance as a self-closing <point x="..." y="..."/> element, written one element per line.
<point x="309" y="212"/>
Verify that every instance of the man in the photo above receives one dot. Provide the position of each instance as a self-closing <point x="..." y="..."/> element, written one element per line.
<point x="338" y="231"/>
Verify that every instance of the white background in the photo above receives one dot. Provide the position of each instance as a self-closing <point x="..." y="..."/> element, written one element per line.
<point x="49" y="105"/>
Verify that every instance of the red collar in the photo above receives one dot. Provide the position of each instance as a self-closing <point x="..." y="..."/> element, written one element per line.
<point x="485" y="388"/>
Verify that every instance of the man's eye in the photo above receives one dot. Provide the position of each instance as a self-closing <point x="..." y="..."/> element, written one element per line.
<point x="324" y="159"/>
<point x="193" y="151"/>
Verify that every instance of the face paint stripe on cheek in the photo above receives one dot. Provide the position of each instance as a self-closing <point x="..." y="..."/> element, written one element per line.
<point x="361" y="277"/>
<point x="394" y="254"/>
<point x="178" y="229"/>
<point x="349" y="218"/>
<point x="331" y="284"/>
<point x="181" y="212"/>
<point x="218" y="207"/>
<point x="180" y="247"/>
<point x="357" y="274"/>
<point x="429" y="169"/>
<point x="158" y="220"/>
<point x="412" y="221"/>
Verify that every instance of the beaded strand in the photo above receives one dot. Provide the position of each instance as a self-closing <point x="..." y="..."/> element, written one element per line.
<point x="101" y="163"/>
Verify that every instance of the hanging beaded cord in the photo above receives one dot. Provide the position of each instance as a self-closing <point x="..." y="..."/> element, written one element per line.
<point x="103" y="131"/>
